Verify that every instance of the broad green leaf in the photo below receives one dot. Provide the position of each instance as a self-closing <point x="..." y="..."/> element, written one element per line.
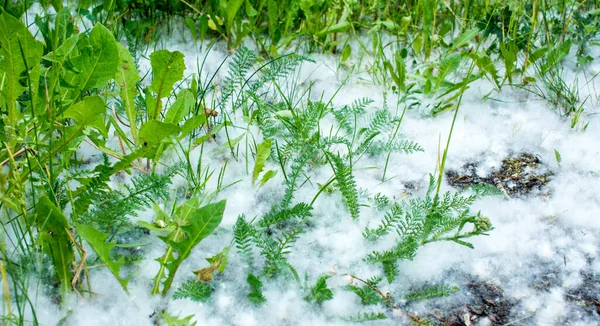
<point x="273" y="13"/>
<point x="558" y="157"/>
<point x="153" y="105"/>
<point x="63" y="51"/>
<point x="20" y="55"/>
<point x="55" y="241"/>
<point x="191" y="24"/>
<point x="202" y="222"/>
<point x="127" y="78"/>
<point x="537" y="54"/>
<point x="159" y="213"/>
<point x="97" y="241"/>
<point x="220" y="259"/>
<point x="446" y="67"/>
<point x="233" y="142"/>
<point x="485" y="63"/>
<point x="156" y="228"/>
<point x="185" y="210"/>
<point x="167" y="69"/>
<point x="231" y="11"/>
<point x="463" y="39"/>
<point x="335" y="28"/>
<point x="88" y="113"/>
<point x="509" y="54"/>
<point x="181" y="107"/>
<point x="263" y="151"/>
<point x="97" y="60"/>
<point x="192" y="123"/>
<point x="346" y="52"/>
<point x="267" y="176"/>
<point x="154" y="131"/>
<point x="250" y="11"/>
<point x="390" y="69"/>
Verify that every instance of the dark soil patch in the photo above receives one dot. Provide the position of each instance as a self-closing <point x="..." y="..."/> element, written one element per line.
<point x="519" y="175"/>
<point x="587" y="296"/>
<point x="488" y="301"/>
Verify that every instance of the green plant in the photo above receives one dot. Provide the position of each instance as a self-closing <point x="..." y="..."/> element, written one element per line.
<point x="193" y="290"/>
<point x="255" y="296"/>
<point x="191" y="224"/>
<point x="320" y="293"/>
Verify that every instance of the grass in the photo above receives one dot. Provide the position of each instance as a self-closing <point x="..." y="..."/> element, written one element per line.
<point x="82" y="88"/>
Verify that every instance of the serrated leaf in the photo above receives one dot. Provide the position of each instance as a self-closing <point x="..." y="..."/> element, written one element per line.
<point x="88" y="113"/>
<point x="463" y="39"/>
<point x="154" y="131"/>
<point x="97" y="60"/>
<point x="202" y="222"/>
<point x="217" y="263"/>
<point x="192" y="123"/>
<point x="181" y="107"/>
<point x="193" y="290"/>
<point x="20" y="54"/>
<point x="431" y="291"/>
<point x="263" y="151"/>
<point x="220" y="260"/>
<point x="446" y="67"/>
<point x="97" y="240"/>
<point x="63" y="51"/>
<point x="167" y="69"/>
<point x="255" y="296"/>
<point x="320" y="293"/>
<point x="127" y="78"/>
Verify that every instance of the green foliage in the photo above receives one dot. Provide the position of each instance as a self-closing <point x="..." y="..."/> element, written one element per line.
<point x="421" y="221"/>
<point x="394" y="215"/>
<point x="320" y="293"/>
<point x="380" y="202"/>
<point x="346" y="184"/>
<point x="431" y="291"/>
<point x="171" y="320"/>
<point x="200" y="223"/>
<point x="20" y="56"/>
<point x="275" y="251"/>
<point x="167" y="69"/>
<point x="55" y="241"/>
<point x="243" y="238"/>
<point x="127" y="78"/>
<point x="300" y="211"/>
<point x="194" y="290"/>
<point x="97" y="241"/>
<point x="255" y="296"/>
<point x="112" y="208"/>
<point x="365" y="317"/>
<point x="367" y="295"/>
<point x="263" y="151"/>
<point x="154" y="131"/>
<point x="97" y="60"/>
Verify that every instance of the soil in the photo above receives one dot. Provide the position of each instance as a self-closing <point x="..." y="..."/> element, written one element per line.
<point x="519" y="175"/>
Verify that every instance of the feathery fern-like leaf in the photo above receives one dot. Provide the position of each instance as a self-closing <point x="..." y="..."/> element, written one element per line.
<point x="346" y="183"/>
<point x="194" y="290"/>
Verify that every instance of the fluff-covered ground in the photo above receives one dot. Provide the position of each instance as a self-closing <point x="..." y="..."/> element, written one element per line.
<point x="542" y="254"/>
